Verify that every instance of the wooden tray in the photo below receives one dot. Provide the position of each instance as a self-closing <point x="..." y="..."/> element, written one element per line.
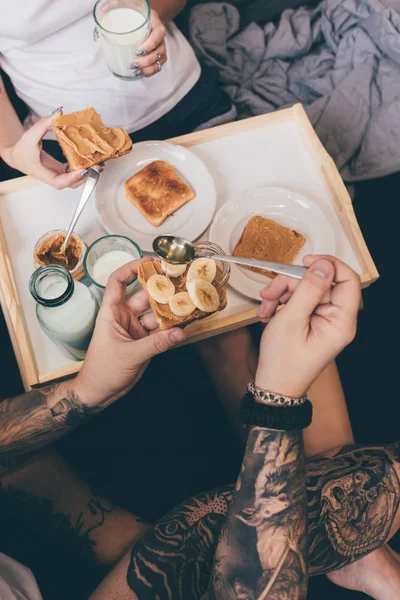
<point x="277" y="149"/>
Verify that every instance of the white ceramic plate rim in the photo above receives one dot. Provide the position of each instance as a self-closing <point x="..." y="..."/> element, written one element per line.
<point x="247" y="204"/>
<point x="191" y="220"/>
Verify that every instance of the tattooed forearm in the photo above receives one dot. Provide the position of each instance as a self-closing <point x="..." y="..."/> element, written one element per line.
<point x="262" y="550"/>
<point x="33" y="420"/>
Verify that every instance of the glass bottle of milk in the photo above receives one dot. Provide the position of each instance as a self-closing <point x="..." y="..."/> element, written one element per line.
<point x="66" y="309"/>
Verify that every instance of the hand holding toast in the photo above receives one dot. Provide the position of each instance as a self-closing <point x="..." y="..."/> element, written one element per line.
<point x="27" y="156"/>
<point x="121" y="347"/>
<point x="318" y="321"/>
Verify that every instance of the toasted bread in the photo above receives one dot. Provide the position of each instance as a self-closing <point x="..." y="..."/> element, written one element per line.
<point x="264" y="239"/>
<point x="86" y="141"/>
<point x="157" y="191"/>
<point x="162" y="313"/>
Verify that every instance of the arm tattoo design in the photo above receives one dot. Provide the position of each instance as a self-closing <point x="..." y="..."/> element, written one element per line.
<point x="263" y="547"/>
<point x="66" y="542"/>
<point x="27" y="423"/>
<point x="353" y="498"/>
<point x="175" y="560"/>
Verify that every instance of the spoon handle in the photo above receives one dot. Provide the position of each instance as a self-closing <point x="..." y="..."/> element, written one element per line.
<point x="90" y="184"/>
<point x="296" y="271"/>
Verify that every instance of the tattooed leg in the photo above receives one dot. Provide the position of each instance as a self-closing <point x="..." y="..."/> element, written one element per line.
<point x="353" y="509"/>
<point x="45" y="504"/>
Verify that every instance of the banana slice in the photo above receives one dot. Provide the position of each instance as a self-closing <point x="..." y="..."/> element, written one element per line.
<point x="202" y="268"/>
<point x="181" y="304"/>
<point x="203" y="295"/>
<point x="160" y="288"/>
<point x="173" y="270"/>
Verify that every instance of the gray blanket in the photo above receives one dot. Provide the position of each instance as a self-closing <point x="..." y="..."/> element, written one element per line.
<point x="341" y="60"/>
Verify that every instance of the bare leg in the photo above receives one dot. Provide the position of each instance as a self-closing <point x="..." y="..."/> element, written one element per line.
<point x="330" y="427"/>
<point x="64" y="513"/>
<point x="231" y="361"/>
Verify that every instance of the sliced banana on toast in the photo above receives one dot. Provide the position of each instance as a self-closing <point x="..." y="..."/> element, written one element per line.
<point x="202" y="268"/>
<point x="160" y="288"/>
<point x="203" y="295"/>
<point x="173" y="270"/>
<point x="181" y="305"/>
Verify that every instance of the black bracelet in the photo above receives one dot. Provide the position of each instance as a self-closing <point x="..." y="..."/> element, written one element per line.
<point x="283" y="418"/>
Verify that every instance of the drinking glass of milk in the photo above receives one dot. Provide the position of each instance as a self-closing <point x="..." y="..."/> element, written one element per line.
<point x="122" y="27"/>
<point x="106" y="255"/>
<point x="66" y="309"/>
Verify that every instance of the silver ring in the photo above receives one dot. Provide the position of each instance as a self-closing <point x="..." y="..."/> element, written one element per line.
<point x="159" y="65"/>
<point x="157" y="54"/>
<point x="140" y="319"/>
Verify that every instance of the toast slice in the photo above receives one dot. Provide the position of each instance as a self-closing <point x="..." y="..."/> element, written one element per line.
<point x="162" y="312"/>
<point x="264" y="239"/>
<point x="86" y="141"/>
<point x="157" y="191"/>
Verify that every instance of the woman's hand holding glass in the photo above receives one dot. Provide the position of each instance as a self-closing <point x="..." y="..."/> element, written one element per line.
<point x="153" y="54"/>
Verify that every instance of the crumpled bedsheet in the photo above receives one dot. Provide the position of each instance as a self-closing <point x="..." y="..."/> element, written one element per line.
<point x="341" y="60"/>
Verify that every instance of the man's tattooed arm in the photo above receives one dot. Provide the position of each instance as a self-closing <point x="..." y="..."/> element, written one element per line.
<point x="353" y="496"/>
<point x="33" y="420"/>
<point x="262" y="549"/>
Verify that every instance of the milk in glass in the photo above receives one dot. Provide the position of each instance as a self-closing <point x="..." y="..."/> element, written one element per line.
<point x="109" y="262"/>
<point x="122" y="31"/>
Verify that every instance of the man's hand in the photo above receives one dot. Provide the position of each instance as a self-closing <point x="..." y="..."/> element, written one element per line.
<point x="27" y="156"/>
<point x="121" y="348"/>
<point x="318" y="321"/>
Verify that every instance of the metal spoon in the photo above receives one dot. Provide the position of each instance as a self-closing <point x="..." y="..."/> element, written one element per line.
<point x="178" y="251"/>
<point x="90" y="184"/>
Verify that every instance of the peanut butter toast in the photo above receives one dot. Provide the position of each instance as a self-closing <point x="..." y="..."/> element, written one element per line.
<point x="86" y="141"/>
<point x="162" y="312"/>
<point x="157" y="191"/>
<point x="264" y="239"/>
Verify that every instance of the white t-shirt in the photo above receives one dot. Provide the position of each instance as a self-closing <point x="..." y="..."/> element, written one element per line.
<point x="47" y="49"/>
<point x="16" y="581"/>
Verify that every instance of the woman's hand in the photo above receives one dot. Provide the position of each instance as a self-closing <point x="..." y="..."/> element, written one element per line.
<point x="121" y="347"/>
<point x="27" y="156"/>
<point x="318" y="321"/>
<point x="153" y="54"/>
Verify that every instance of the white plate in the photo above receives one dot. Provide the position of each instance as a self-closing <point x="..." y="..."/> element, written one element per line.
<point x="119" y="216"/>
<point x="286" y="207"/>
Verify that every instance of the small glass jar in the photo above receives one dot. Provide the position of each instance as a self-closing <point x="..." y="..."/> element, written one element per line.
<point x="66" y="309"/>
<point x="77" y="272"/>
<point x="224" y="267"/>
<point x="106" y="255"/>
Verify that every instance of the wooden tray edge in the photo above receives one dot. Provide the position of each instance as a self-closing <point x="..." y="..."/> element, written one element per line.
<point x="339" y="195"/>
<point x="11" y="305"/>
<point x="196" y="332"/>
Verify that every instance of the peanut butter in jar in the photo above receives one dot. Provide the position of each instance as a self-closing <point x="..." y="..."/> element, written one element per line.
<point x="47" y="251"/>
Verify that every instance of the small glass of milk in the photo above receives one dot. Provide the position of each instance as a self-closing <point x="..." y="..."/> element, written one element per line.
<point x="66" y="309"/>
<point x="122" y="27"/>
<point x="106" y="255"/>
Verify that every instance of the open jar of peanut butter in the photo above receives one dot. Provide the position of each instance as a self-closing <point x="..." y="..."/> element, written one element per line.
<point x="47" y="251"/>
